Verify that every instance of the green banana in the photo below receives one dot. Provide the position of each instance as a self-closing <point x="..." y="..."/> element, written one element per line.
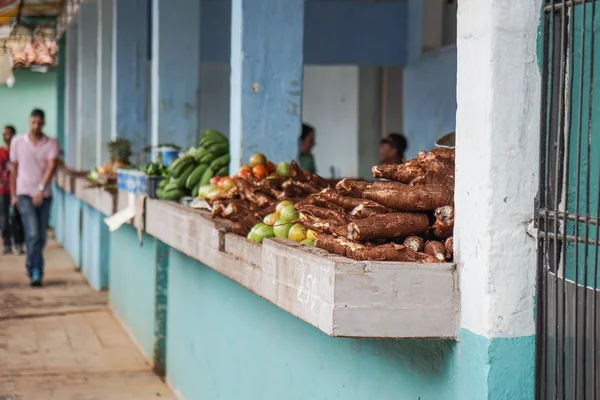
<point x="196" y="190"/>
<point x="219" y="149"/>
<point x="195" y="176"/>
<point x="220" y="162"/>
<point x="207" y="159"/>
<point x="180" y="164"/>
<point x="173" y="194"/>
<point x="208" y="174"/>
<point x="214" y="134"/>
<point x="182" y="167"/>
<point x="182" y="179"/>
<point x="224" y="171"/>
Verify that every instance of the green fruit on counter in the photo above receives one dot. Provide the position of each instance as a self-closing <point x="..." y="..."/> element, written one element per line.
<point x="308" y="242"/>
<point x="282" y="228"/>
<point x="205" y="189"/>
<point x="283" y="170"/>
<point x="219" y="149"/>
<point x="214" y="134"/>
<point x="171" y="185"/>
<point x="178" y="169"/>
<point x="283" y="204"/>
<point x="207" y="158"/>
<point x="288" y="213"/>
<point x="220" y="162"/>
<point x="159" y="193"/>
<point x="182" y="179"/>
<point x="297" y="233"/>
<point x="173" y="194"/>
<point x="271" y="219"/>
<point x="163" y="183"/>
<point x="194" y="178"/>
<point x="260" y="232"/>
<point x="208" y="174"/>
<point x="223" y="171"/>
<point x="195" y="190"/>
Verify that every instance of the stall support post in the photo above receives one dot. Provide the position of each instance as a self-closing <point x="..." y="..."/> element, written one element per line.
<point x="130" y="78"/>
<point x="496" y="183"/>
<point x="266" y="79"/>
<point x="104" y="78"/>
<point x="161" y="298"/>
<point x="86" y="85"/>
<point x="70" y="110"/>
<point x="61" y="76"/>
<point x="175" y="71"/>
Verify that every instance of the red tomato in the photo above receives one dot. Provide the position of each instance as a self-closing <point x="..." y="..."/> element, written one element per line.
<point x="244" y="174"/>
<point x="215" y="180"/>
<point x="260" y="172"/>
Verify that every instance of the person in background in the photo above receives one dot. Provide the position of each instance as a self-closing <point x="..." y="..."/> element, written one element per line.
<point x="392" y="148"/>
<point x="34" y="157"/>
<point x="307" y="142"/>
<point x="10" y="222"/>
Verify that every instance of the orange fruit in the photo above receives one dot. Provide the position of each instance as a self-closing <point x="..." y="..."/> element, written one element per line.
<point x="260" y="171"/>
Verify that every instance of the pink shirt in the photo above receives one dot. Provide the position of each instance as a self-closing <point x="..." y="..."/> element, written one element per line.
<point x="33" y="162"/>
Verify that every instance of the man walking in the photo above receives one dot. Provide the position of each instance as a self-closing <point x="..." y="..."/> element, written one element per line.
<point x="11" y="226"/>
<point x="33" y="159"/>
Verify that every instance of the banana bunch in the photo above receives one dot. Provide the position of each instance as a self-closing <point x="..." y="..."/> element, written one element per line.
<point x="196" y="168"/>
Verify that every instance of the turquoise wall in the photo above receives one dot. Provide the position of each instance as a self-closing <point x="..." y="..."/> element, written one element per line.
<point x="72" y="221"/>
<point x="95" y="248"/>
<point x="31" y="90"/>
<point x="224" y="342"/>
<point x="132" y="284"/>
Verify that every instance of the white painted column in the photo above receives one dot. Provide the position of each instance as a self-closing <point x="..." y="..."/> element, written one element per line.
<point x="87" y="85"/>
<point x="71" y="94"/>
<point x="104" y="79"/>
<point x="496" y="165"/>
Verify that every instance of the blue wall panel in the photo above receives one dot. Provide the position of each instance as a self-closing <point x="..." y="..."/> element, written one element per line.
<point x="335" y="32"/>
<point x="72" y="240"/>
<point x="430" y="99"/>
<point x="58" y="214"/>
<point x="95" y="248"/>
<point x="224" y="342"/>
<point x="132" y="284"/>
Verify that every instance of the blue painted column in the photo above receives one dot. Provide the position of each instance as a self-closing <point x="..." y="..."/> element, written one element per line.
<point x="70" y="110"/>
<point x="130" y="80"/>
<point x="87" y="85"/>
<point x="104" y="79"/>
<point x="266" y="78"/>
<point x="61" y="86"/>
<point x="175" y="71"/>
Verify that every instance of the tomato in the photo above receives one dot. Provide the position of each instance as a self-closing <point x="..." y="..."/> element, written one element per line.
<point x="260" y="172"/>
<point x="258" y="159"/>
<point x="270" y="167"/>
<point x="226" y="184"/>
<point x="244" y="174"/>
<point x="215" y="180"/>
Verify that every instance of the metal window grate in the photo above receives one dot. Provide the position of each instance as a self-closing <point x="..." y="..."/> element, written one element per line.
<point x="568" y="206"/>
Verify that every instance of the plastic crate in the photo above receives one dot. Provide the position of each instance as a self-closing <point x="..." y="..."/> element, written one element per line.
<point x="131" y="181"/>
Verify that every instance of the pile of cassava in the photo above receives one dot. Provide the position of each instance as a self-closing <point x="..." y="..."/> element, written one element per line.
<point x="251" y="199"/>
<point x="408" y="216"/>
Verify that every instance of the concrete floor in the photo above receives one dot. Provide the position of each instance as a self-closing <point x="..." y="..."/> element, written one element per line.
<point x="61" y="342"/>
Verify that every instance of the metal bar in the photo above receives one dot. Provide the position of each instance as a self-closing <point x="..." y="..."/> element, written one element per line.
<point x="594" y="311"/>
<point x="572" y="238"/>
<point x="559" y="6"/>
<point x="567" y="152"/>
<point x="559" y="143"/>
<point x="542" y="295"/>
<point x="587" y="200"/>
<point x="570" y="216"/>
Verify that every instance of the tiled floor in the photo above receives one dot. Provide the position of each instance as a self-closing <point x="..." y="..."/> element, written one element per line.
<point x="60" y="342"/>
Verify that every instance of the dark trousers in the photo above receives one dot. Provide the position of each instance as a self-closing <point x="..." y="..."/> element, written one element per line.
<point x="11" y="225"/>
<point x="35" y="223"/>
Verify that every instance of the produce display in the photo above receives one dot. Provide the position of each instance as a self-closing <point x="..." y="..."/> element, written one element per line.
<point x="260" y="199"/>
<point x="120" y="154"/>
<point x="408" y="217"/>
<point x="196" y="168"/>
